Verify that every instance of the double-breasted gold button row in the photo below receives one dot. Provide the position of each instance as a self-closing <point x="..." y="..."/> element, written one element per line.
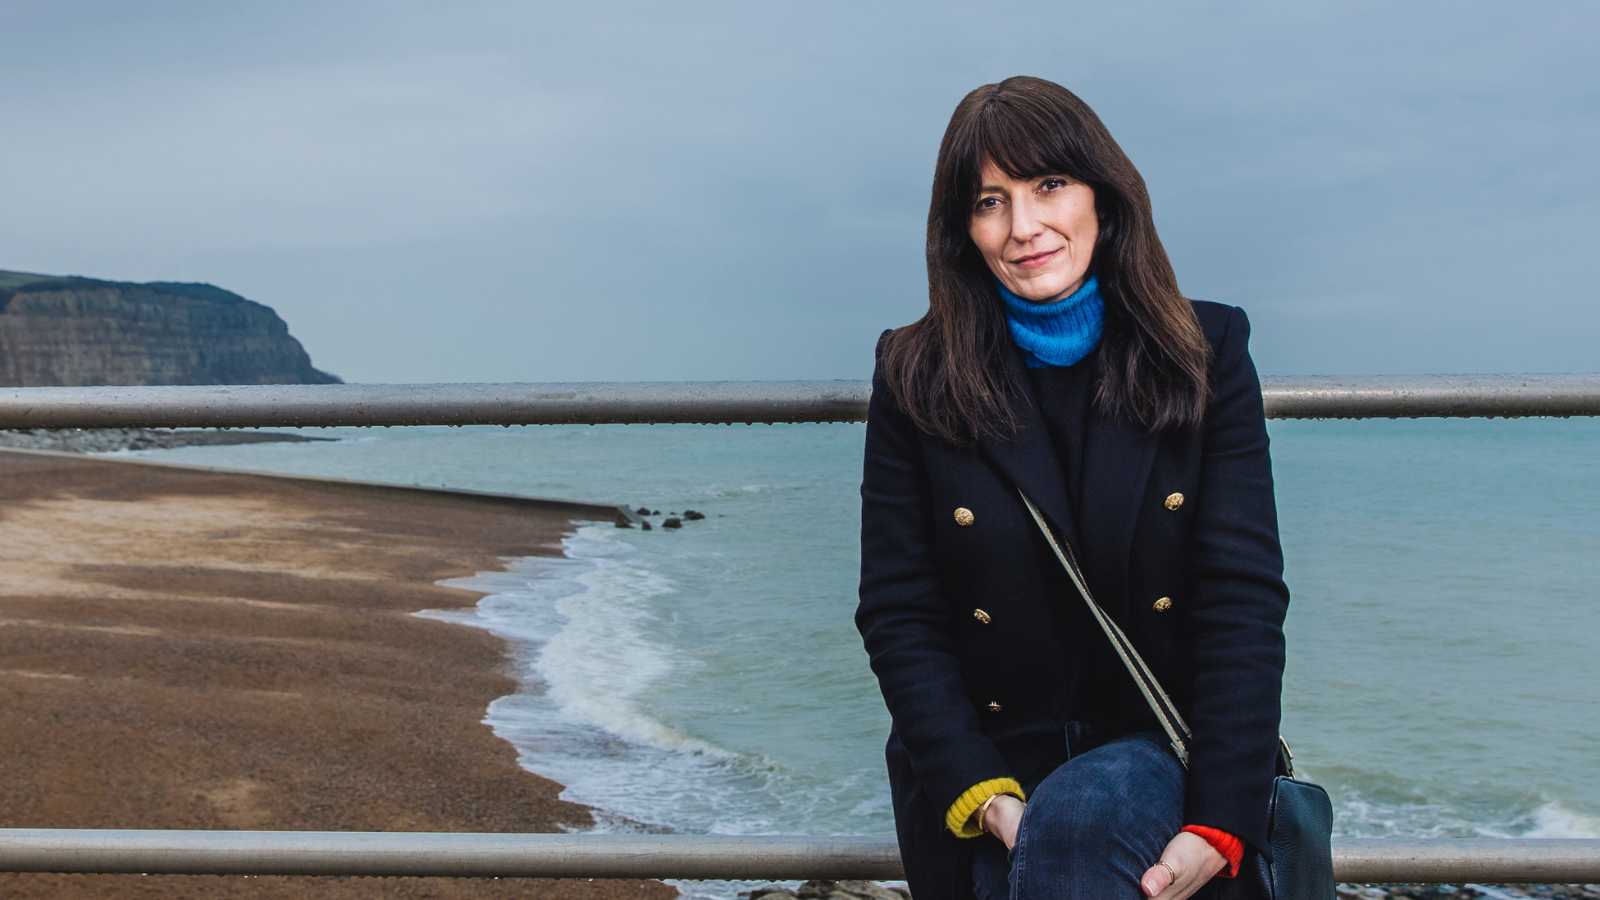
<point x="1173" y="502"/>
<point x="1161" y="605"/>
<point x="964" y="518"/>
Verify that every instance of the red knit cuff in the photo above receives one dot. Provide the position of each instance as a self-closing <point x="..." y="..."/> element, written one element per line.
<point x="1231" y="848"/>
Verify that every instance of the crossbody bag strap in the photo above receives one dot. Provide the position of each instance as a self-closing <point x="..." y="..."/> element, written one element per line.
<point x="1166" y="713"/>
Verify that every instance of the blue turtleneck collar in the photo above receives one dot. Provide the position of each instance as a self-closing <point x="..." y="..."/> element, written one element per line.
<point x="1058" y="333"/>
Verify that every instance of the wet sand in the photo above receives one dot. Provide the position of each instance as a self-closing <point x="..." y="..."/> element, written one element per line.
<point x="198" y="650"/>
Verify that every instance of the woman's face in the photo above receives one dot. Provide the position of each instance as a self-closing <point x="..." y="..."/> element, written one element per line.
<point x="1037" y="235"/>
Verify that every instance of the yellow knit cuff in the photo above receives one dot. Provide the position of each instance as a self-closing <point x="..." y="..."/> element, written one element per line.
<point x="959" y="817"/>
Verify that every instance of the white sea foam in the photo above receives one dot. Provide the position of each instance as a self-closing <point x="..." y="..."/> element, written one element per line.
<point x="589" y="654"/>
<point x="605" y="657"/>
<point x="1553" y="820"/>
<point x="1357" y="815"/>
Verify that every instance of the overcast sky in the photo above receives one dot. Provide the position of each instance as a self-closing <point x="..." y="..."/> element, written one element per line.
<point x="483" y="191"/>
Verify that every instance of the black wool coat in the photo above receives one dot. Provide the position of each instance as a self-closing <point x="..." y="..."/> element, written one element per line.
<point x="974" y="700"/>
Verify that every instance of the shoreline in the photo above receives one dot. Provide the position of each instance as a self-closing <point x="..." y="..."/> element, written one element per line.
<point x="236" y="651"/>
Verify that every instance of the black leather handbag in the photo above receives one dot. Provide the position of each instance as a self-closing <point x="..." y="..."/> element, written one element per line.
<point x="1299" y="814"/>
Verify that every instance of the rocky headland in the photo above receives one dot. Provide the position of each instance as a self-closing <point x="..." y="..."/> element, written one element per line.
<point x="57" y="331"/>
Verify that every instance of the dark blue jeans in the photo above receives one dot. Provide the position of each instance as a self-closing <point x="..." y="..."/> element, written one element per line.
<point x="1092" y="828"/>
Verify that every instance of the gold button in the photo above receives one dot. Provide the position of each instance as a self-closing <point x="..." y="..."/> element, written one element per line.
<point x="1174" y="501"/>
<point x="963" y="516"/>
<point x="993" y="706"/>
<point x="1162" y="605"/>
<point x="981" y="616"/>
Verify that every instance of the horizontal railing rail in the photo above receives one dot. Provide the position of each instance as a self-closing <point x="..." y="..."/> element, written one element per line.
<point x="712" y="857"/>
<point x="710" y="402"/>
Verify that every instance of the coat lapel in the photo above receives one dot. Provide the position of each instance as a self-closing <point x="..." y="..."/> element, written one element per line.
<point x="1117" y="462"/>
<point x="1029" y="460"/>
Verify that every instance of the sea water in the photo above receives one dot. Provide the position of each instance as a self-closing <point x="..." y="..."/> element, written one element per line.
<point x="1444" y="633"/>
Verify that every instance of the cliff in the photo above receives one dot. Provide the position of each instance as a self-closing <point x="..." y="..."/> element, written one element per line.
<point x="77" y="331"/>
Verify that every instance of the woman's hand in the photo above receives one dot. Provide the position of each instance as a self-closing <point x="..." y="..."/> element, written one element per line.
<point x="1192" y="859"/>
<point x="1004" y="816"/>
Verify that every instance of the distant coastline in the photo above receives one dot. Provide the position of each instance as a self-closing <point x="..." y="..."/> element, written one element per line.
<point x="112" y="440"/>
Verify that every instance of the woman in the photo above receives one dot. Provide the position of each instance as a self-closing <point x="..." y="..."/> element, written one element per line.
<point x="1059" y="359"/>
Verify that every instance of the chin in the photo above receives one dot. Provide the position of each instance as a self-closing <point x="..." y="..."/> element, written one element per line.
<point x="1042" y="291"/>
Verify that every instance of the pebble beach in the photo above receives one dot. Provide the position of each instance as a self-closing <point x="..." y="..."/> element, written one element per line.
<point x="190" y="650"/>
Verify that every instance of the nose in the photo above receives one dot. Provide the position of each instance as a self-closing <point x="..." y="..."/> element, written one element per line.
<point x="1026" y="223"/>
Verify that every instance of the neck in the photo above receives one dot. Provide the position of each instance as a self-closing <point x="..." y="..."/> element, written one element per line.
<point x="1059" y="333"/>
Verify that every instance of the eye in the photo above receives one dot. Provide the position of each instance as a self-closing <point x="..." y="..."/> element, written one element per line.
<point x="1052" y="184"/>
<point x="987" y="203"/>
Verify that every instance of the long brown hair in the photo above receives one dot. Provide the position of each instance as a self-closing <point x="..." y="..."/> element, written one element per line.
<point x="951" y="369"/>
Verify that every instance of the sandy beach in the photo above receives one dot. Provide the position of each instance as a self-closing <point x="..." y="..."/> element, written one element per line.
<point x="186" y="649"/>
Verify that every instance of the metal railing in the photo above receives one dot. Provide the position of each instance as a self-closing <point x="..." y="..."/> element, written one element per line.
<point x="694" y="856"/>
<point x="711" y="402"/>
<point x="678" y="856"/>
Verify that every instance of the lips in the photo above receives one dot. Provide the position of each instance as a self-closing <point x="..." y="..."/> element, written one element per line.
<point x="1034" y="260"/>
